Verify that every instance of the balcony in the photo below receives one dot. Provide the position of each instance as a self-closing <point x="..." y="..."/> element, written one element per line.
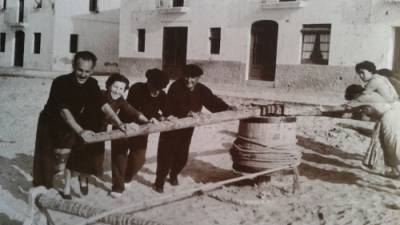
<point x="172" y="6"/>
<point x="283" y="4"/>
<point x="12" y="18"/>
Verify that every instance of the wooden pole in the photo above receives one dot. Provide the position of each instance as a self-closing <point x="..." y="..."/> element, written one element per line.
<point x="211" y="118"/>
<point x="135" y="207"/>
<point x="86" y="211"/>
<point x="202" y="119"/>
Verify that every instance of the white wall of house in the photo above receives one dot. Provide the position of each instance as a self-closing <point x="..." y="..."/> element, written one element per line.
<point x="100" y="34"/>
<point x="360" y="30"/>
<point x="39" y="21"/>
<point x="35" y="20"/>
<point x="6" y="57"/>
<point x="56" y="20"/>
<point x="67" y="23"/>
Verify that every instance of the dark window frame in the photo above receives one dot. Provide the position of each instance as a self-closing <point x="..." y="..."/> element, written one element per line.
<point x="215" y="40"/>
<point x="93" y="6"/>
<point x="316" y="56"/>
<point x="38" y="4"/>
<point x="37" y="39"/>
<point x="141" y="47"/>
<point x="3" y="42"/>
<point x="73" y="43"/>
<point x="178" y="3"/>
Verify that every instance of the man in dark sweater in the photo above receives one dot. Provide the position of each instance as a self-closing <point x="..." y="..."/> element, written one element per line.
<point x="186" y="97"/>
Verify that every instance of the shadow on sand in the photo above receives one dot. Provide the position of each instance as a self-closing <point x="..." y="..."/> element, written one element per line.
<point x="5" y="220"/>
<point x="333" y="175"/>
<point x="12" y="176"/>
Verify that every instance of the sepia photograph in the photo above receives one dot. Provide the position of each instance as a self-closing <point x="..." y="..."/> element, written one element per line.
<point x="200" y="112"/>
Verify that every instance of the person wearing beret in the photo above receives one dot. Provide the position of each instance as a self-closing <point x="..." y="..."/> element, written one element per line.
<point x="129" y="155"/>
<point x="186" y="98"/>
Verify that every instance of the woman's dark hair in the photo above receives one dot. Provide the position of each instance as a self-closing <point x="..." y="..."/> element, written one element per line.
<point x="367" y="65"/>
<point x="116" y="77"/>
<point x="85" y="55"/>
<point x="353" y="91"/>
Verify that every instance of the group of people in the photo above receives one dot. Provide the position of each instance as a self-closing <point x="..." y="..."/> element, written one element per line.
<point x="77" y="108"/>
<point x="378" y="99"/>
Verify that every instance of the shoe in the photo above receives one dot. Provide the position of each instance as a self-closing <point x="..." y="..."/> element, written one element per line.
<point x="115" y="194"/>
<point x="159" y="189"/>
<point x="84" y="189"/>
<point x="174" y="181"/>
<point x="65" y="196"/>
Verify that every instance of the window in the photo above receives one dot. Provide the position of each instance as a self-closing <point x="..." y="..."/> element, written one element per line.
<point x="37" y="4"/>
<point x="93" y="7"/>
<point x="2" y="42"/>
<point x="36" y="42"/>
<point x="73" y="43"/>
<point x="215" y="40"/>
<point x="3" y="4"/>
<point x="141" y="40"/>
<point x="316" y="40"/>
<point x="177" y="3"/>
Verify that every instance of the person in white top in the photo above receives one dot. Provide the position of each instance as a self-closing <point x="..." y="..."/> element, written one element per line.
<point x="375" y="82"/>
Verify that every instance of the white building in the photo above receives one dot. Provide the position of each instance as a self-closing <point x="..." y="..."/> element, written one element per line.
<point x="45" y="34"/>
<point x="261" y="42"/>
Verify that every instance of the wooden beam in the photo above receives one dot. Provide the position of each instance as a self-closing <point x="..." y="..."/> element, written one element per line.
<point x="202" y="119"/>
<point x="165" y="199"/>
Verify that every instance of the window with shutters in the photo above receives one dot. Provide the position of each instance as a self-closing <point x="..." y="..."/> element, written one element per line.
<point x="315" y="46"/>
<point x="215" y="40"/>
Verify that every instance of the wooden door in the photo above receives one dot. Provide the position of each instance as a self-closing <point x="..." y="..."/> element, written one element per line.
<point x="264" y="35"/>
<point x="174" y="51"/>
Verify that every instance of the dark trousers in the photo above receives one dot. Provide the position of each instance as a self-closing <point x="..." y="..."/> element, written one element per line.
<point x="173" y="153"/>
<point x="127" y="158"/>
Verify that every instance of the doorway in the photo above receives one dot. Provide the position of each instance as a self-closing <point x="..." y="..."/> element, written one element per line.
<point x="174" y="51"/>
<point x="264" y="38"/>
<point x="19" y="48"/>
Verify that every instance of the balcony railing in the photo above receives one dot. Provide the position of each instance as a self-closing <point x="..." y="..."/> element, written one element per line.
<point x="273" y="4"/>
<point x="12" y="17"/>
<point x="171" y="6"/>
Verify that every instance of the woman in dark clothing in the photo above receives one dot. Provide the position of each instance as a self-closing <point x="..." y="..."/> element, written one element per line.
<point x="128" y="155"/>
<point x="88" y="159"/>
<point x="186" y="97"/>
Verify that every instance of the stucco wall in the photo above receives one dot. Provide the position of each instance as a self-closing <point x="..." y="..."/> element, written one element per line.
<point x="99" y="34"/>
<point x="137" y="67"/>
<point x="39" y="21"/>
<point x="316" y="77"/>
<point x="65" y="26"/>
<point x="360" y="30"/>
<point x="35" y="20"/>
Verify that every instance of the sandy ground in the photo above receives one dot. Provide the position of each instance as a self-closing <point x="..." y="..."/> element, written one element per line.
<point x="335" y="189"/>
